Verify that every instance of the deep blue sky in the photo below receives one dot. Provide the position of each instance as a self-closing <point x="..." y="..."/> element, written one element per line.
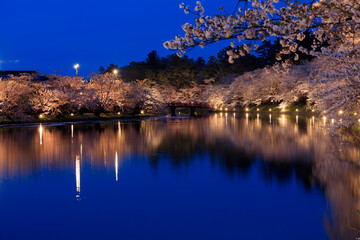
<point x="54" y="35"/>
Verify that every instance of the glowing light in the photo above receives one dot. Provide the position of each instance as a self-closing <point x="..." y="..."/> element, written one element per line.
<point x="270" y="110"/>
<point x="41" y="116"/>
<point x="118" y="113"/>
<point x="332" y="120"/>
<point x="247" y="118"/>
<point x="76" y="66"/>
<point x="72" y="130"/>
<point x="246" y="109"/>
<point x="359" y="120"/>
<point x="270" y="118"/>
<point x="297" y="110"/>
<point x="142" y="112"/>
<point x="283" y="109"/>
<point x="226" y="109"/>
<point x="72" y="114"/>
<point x="41" y="133"/>
<point x="77" y="173"/>
<point x="324" y="119"/>
<point x="116" y="166"/>
<point x="313" y="110"/>
<point x="297" y="119"/>
<point x="115" y="71"/>
<point x="341" y="112"/>
<point x="355" y="114"/>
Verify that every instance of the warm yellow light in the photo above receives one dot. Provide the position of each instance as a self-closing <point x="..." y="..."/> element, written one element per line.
<point x="41" y="116"/>
<point x="76" y="66"/>
<point x="226" y="109"/>
<point x="359" y="120"/>
<point x="355" y="114"/>
<point x="142" y="111"/>
<point x="270" y="109"/>
<point x="258" y="109"/>
<point x="246" y="109"/>
<point x="297" y="110"/>
<point x="341" y="112"/>
<point x="115" y="71"/>
<point x="313" y="110"/>
<point x="72" y="114"/>
<point x="118" y="113"/>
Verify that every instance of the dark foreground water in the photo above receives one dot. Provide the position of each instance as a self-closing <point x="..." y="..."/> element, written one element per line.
<point x="221" y="177"/>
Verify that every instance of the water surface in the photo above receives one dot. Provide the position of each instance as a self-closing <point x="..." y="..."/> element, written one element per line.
<point x="221" y="177"/>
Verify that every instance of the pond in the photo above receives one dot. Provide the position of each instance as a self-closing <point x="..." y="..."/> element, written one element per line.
<point x="225" y="176"/>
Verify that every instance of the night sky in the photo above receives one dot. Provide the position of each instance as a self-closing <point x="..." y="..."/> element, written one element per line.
<point x="50" y="36"/>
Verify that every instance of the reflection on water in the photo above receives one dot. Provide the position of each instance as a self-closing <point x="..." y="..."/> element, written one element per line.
<point x="291" y="150"/>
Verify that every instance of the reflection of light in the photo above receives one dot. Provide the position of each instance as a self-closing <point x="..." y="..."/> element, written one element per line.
<point x="297" y="119"/>
<point x="270" y="118"/>
<point x="332" y="120"/>
<point x="283" y="119"/>
<point x="234" y="114"/>
<point x="119" y="128"/>
<point x="257" y="119"/>
<point x="72" y="130"/>
<point x="247" y="118"/>
<point x="77" y="172"/>
<point x="41" y="133"/>
<point x="221" y="114"/>
<point x="324" y="119"/>
<point x="116" y="166"/>
<point x="313" y="120"/>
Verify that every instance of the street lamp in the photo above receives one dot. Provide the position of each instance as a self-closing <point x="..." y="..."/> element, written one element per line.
<point x="115" y="71"/>
<point x="76" y="66"/>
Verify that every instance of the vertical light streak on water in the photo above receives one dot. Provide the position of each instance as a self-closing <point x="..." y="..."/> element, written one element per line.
<point x="72" y="130"/>
<point x="297" y="119"/>
<point x="41" y="134"/>
<point x="77" y="172"/>
<point x="270" y="118"/>
<point x="258" y="119"/>
<point x="119" y="129"/>
<point x="313" y="121"/>
<point x="247" y="118"/>
<point x="116" y="166"/>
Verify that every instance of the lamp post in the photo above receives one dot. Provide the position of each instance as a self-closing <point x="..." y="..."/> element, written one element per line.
<point x="76" y="66"/>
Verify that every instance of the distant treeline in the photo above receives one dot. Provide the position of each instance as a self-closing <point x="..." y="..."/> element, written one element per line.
<point x="181" y="72"/>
